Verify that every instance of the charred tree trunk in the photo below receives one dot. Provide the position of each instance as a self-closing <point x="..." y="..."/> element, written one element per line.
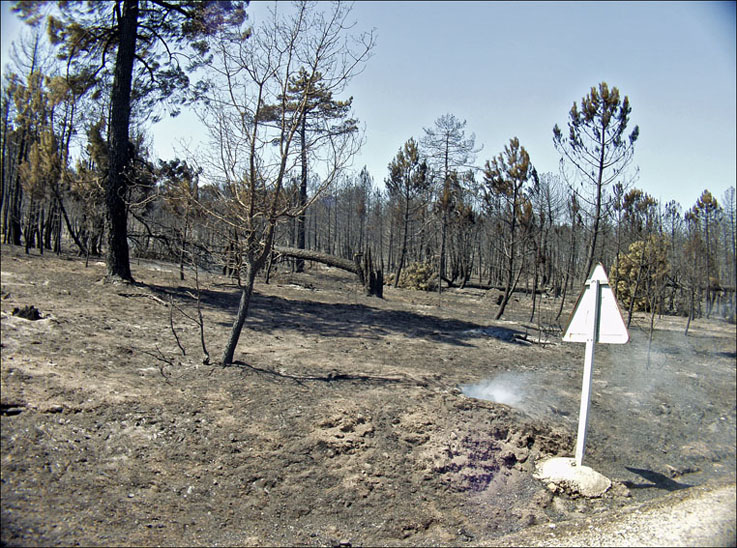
<point x="300" y="263"/>
<point x="597" y="209"/>
<point x="243" y="304"/>
<point x="372" y="280"/>
<point x="510" y="287"/>
<point x="510" y="277"/>
<point x="569" y="270"/>
<point x="631" y="308"/>
<point x="29" y="232"/>
<point x="404" y="243"/>
<point x="183" y="249"/>
<point x="118" y="260"/>
<point x="441" y="259"/>
<point x="362" y="266"/>
<point x="534" y="284"/>
<point x="691" y="311"/>
<point x="83" y="249"/>
<point x="15" y="209"/>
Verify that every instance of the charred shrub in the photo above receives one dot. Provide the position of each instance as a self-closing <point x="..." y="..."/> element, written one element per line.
<point x="27" y="313"/>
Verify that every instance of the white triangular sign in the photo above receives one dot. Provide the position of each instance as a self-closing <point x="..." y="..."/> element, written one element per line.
<point x="611" y="326"/>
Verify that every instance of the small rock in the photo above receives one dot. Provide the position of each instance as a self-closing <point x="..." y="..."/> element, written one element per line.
<point x="620" y="490"/>
<point x="465" y="535"/>
<point x="542" y="498"/>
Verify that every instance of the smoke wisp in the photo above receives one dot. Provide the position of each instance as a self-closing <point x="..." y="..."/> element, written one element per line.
<point x="505" y="388"/>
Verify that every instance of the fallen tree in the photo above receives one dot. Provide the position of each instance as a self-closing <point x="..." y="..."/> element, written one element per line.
<point x="371" y="280"/>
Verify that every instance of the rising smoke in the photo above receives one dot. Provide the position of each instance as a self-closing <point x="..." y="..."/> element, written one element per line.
<point x="506" y="388"/>
<point x="527" y="392"/>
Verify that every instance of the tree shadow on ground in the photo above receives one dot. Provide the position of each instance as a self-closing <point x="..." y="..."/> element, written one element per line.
<point x="329" y="378"/>
<point x="657" y="480"/>
<point x="306" y="317"/>
<point x="208" y="297"/>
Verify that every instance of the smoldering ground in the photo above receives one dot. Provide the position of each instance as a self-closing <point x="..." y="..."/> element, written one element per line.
<point x="659" y="414"/>
<point x="525" y="391"/>
<point x="340" y="421"/>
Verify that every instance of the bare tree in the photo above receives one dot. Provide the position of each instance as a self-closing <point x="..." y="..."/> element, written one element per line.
<point x="545" y="201"/>
<point x="730" y="249"/>
<point x="448" y="150"/>
<point x="254" y="118"/>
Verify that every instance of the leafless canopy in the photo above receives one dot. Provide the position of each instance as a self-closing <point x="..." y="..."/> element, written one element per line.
<point x="253" y="116"/>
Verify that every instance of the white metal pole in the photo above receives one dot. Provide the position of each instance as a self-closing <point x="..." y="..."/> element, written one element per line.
<point x="588" y="368"/>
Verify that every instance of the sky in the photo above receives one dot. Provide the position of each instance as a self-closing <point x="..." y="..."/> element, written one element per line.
<point x="514" y="69"/>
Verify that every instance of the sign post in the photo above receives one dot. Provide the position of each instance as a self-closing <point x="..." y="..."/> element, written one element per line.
<point x="595" y="318"/>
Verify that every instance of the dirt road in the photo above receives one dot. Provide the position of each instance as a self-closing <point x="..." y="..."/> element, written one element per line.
<point x="701" y="516"/>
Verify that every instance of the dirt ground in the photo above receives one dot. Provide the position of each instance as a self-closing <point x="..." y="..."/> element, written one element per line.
<point x="344" y="420"/>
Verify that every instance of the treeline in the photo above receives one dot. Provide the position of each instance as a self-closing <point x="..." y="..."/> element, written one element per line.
<point x="77" y="172"/>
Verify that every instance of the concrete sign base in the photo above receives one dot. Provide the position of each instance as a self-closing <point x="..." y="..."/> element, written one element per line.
<point x="564" y="474"/>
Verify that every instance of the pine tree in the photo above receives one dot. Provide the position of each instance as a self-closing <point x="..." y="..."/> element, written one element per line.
<point x="448" y="151"/>
<point x="707" y="212"/>
<point x="322" y="117"/>
<point x="408" y="181"/>
<point x="506" y="177"/>
<point x="153" y="35"/>
<point x="598" y="147"/>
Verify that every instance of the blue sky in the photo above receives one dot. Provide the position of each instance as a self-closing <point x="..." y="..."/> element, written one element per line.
<point x="514" y="69"/>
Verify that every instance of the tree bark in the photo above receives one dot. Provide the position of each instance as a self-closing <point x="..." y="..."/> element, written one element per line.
<point x="118" y="260"/>
<point x="372" y="280"/>
<point x="441" y="259"/>
<point x="597" y="207"/>
<point x="535" y="282"/>
<point x="404" y="242"/>
<point x="511" y="286"/>
<point x="300" y="264"/>
<point x="16" y="203"/>
<point x="245" y="301"/>
<point x="317" y="256"/>
<point x="75" y="236"/>
<point x="510" y="264"/>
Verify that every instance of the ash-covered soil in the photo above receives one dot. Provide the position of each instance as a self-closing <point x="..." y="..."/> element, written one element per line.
<point x="343" y="420"/>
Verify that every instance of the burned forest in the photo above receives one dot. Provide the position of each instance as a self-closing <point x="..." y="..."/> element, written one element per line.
<point x="257" y="343"/>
